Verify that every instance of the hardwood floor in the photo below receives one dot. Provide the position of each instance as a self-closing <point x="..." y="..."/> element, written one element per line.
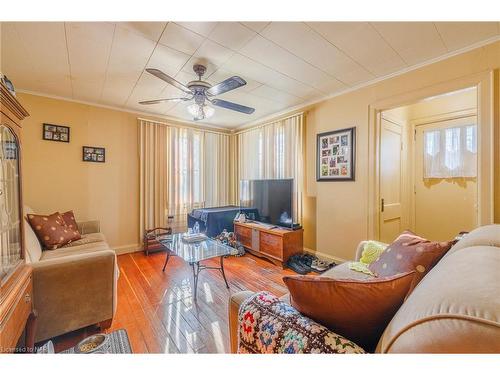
<point x="158" y="310"/>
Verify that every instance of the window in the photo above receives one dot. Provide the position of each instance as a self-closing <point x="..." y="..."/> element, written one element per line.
<point x="450" y="152"/>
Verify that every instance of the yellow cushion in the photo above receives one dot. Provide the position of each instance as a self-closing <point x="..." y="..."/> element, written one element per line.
<point x="371" y="252"/>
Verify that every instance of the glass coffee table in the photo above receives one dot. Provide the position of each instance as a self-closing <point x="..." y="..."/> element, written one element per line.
<point x="195" y="252"/>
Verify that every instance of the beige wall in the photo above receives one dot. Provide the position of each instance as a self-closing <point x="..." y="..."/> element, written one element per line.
<point x="55" y="178"/>
<point x="342" y="207"/>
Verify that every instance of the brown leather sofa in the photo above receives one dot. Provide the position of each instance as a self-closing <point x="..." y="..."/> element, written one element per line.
<point x="454" y="309"/>
<point x="74" y="286"/>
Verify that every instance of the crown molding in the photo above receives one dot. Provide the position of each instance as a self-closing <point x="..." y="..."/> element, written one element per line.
<point x="305" y="105"/>
<point x="152" y="116"/>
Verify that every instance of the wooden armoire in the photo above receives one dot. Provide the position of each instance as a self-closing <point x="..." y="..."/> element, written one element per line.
<point x="16" y="285"/>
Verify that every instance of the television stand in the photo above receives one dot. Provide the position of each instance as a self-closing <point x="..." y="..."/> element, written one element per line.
<point x="275" y="244"/>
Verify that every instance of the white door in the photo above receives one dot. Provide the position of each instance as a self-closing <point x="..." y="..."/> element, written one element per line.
<point x="391" y="145"/>
<point x="443" y="207"/>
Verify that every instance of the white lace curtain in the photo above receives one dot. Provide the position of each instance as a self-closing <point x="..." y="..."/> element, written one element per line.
<point x="180" y="169"/>
<point x="451" y="152"/>
<point x="274" y="150"/>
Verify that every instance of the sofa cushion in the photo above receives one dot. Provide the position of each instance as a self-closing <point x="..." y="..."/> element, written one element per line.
<point x="358" y="310"/>
<point x="93" y="242"/>
<point x="51" y="230"/>
<point x="87" y="239"/>
<point x="342" y="271"/>
<point x="454" y="309"/>
<point x="488" y="235"/>
<point x="33" y="247"/>
<point x="409" y="252"/>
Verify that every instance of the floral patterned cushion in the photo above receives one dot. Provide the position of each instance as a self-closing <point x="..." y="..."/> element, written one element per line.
<point x="268" y="325"/>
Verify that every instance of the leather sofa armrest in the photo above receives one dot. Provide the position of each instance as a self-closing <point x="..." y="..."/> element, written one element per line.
<point x="74" y="291"/>
<point x="90" y="226"/>
<point x="234" y="305"/>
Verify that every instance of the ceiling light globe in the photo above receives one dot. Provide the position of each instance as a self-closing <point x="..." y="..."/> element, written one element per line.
<point x="209" y="111"/>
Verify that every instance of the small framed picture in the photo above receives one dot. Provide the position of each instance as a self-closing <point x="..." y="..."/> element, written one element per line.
<point x="94" y="154"/>
<point x="56" y="133"/>
<point x="339" y="148"/>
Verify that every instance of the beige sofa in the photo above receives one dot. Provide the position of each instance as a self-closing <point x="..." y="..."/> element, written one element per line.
<point x="74" y="286"/>
<point x="454" y="309"/>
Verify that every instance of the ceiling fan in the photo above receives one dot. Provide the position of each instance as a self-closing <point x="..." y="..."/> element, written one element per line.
<point x="202" y="93"/>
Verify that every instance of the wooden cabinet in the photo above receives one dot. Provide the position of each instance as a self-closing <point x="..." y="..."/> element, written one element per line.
<point x="16" y="285"/>
<point x="275" y="244"/>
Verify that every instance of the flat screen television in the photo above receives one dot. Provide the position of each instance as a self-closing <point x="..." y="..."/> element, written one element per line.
<point x="268" y="201"/>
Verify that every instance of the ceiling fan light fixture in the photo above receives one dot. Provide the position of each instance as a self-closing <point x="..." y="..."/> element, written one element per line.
<point x="200" y="112"/>
<point x="209" y="111"/>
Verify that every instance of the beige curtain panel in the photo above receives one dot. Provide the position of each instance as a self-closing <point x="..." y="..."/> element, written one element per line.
<point x="273" y="150"/>
<point x="180" y="169"/>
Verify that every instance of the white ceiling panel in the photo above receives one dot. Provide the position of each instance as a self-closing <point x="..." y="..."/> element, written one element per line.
<point x="129" y="56"/>
<point x="202" y="28"/>
<point x="270" y="54"/>
<point x="457" y="35"/>
<point x="210" y="54"/>
<point x="149" y="30"/>
<point x="232" y="35"/>
<point x="284" y="63"/>
<point x="89" y="39"/>
<point x="256" y="26"/>
<point x="276" y="95"/>
<point x="363" y="43"/>
<point x="414" y="41"/>
<point x="180" y="38"/>
<point x="168" y="60"/>
<point x="50" y="70"/>
<point x="246" y="67"/>
<point x="13" y="62"/>
<point x="301" y="40"/>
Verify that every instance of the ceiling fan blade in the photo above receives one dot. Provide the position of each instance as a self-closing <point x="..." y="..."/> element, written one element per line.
<point x="232" y="106"/>
<point x="168" y="79"/>
<point x="156" y="101"/>
<point x="226" y="85"/>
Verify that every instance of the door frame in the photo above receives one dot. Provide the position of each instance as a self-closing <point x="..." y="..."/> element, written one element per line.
<point x="484" y="83"/>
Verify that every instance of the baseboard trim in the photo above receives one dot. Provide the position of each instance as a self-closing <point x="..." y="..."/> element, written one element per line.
<point x="126" y="249"/>
<point x="324" y="256"/>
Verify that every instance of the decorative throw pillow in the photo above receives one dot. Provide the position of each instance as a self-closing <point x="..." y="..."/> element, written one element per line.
<point x="371" y="252"/>
<point x="359" y="310"/>
<point x="69" y="219"/>
<point x="269" y="325"/>
<point x="407" y="253"/>
<point x="52" y="231"/>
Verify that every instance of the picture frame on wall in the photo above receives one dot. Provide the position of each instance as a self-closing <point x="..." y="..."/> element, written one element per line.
<point x="94" y="154"/>
<point x="57" y="133"/>
<point x="335" y="155"/>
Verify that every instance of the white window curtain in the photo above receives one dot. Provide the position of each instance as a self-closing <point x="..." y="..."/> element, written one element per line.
<point x="180" y="169"/>
<point x="217" y="173"/>
<point x="274" y="150"/>
<point x="451" y="152"/>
